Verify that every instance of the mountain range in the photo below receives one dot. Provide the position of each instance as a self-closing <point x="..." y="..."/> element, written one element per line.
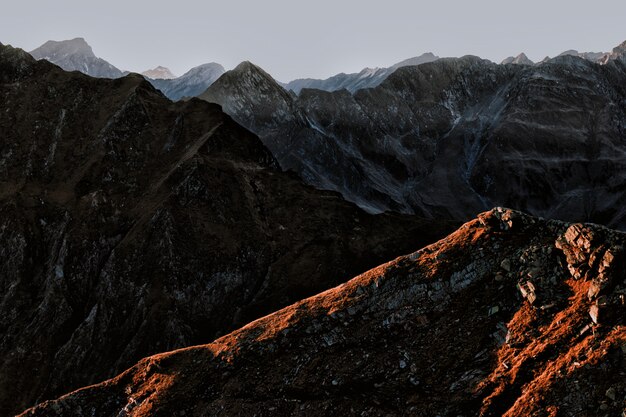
<point x="453" y="137"/>
<point x="76" y="55"/>
<point x="131" y="225"/>
<point x="367" y="78"/>
<point x="260" y="252"/>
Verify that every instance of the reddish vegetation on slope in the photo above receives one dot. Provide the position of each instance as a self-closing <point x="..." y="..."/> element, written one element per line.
<point x="444" y="331"/>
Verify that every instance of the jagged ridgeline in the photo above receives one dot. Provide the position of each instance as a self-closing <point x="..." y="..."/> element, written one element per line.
<point x="450" y="330"/>
<point x="131" y="225"/>
<point x="454" y="137"/>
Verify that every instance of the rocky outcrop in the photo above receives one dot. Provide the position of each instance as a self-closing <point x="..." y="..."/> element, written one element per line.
<point x="618" y="54"/>
<point x="453" y="137"/>
<point x="76" y="55"/>
<point x="497" y="319"/>
<point x="521" y="59"/>
<point x="131" y="225"/>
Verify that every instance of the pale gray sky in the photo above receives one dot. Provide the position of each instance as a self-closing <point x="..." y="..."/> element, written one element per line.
<point x="293" y="39"/>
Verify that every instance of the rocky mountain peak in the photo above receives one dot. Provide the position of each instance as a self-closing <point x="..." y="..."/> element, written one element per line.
<point x="618" y="53"/>
<point x="231" y="91"/>
<point x="520" y="59"/>
<point x="76" y="55"/>
<point x="159" y="73"/>
<point x="190" y="84"/>
<point x="58" y="50"/>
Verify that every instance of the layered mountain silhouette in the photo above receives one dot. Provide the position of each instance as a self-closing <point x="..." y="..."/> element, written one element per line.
<point x="453" y="137"/>
<point x="508" y="316"/>
<point x="367" y="78"/>
<point x="131" y="225"/>
<point x="163" y="258"/>
<point x="76" y="55"/>
<point x="192" y="83"/>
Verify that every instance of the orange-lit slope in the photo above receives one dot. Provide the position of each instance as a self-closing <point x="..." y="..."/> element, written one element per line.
<point x="444" y="331"/>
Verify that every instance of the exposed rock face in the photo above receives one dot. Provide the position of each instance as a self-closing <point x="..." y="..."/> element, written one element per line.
<point x="453" y="137"/>
<point x="367" y="78"/>
<point x="132" y="225"/>
<point x="192" y="83"/>
<point x="76" y="55"/>
<point x="618" y="54"/>
<point x="159" y="73"/>
<point x="521" y="59"/>
<point x="444" y="331"/>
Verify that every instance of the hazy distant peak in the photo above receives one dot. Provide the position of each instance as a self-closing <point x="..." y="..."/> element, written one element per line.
<point x="521" y="59"/>
<point x="247" y="66"/>
<point x="366" y="78"/>
<point x="76" y="55"/>
<point x="191" y="83"/>
<point x="205" y="67"/>
<point x="58" y="49"/>
<point x="159" y="73"/>
<point x="418" y="60"/>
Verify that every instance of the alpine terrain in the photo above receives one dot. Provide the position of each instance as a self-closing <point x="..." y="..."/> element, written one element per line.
<point x="453" y="137"/>
<point x="510" y="315"/>
<point x="131" y="225"/>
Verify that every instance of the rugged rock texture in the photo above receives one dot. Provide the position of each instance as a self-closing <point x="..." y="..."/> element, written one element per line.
<point x="76" y="55"/>
<point x="190" y="84"/>
<point x="618" y="54"/>
<point x="509" y="316"/>
<point x="131" y="225"/>
<point x="159" y="73"/>
<point x="521" y="59"/>
<point x="367" y="78"/>
<point x="453" y="137"/>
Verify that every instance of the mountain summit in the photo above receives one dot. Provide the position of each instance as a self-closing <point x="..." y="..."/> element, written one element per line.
<point x="191" y="83"/>
<point x="159" y="73"/>
<point x="76" y="55"/>
<point x="521" y="59"/>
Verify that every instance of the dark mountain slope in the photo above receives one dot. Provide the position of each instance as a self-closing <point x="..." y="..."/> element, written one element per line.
<point x="456" y="136"/>
<point x="133" y="225"/>
<point x="508" y="316"/>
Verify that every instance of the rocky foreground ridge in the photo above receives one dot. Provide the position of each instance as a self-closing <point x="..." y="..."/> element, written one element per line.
<point x="131" y="225"/>
<point x="509" y="315"/>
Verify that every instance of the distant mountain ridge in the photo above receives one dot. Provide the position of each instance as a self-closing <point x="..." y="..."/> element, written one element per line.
<point x="159" y="73"/>
<point x="76" y="55"/>
<point x="366" y="78"/>
<point x="192" y="83"/>
<point x="453" y="137"/>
